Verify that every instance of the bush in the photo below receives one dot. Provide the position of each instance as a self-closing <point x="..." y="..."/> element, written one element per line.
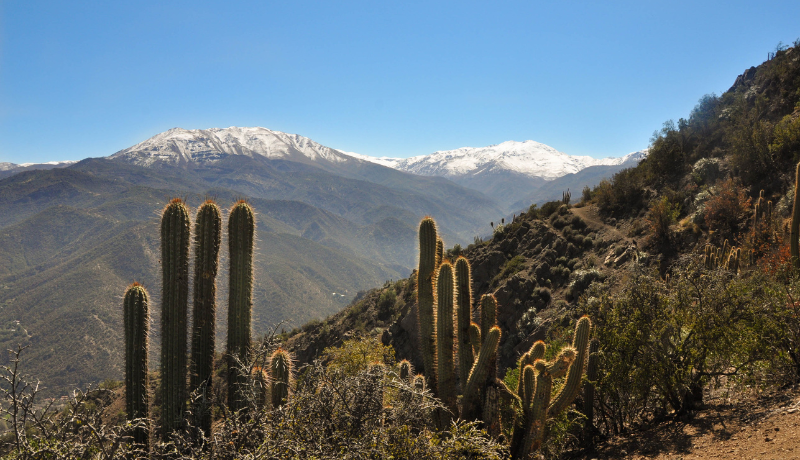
<point x="662" y="344"/>
<point x="662" y="215"/>
<point x="622" y="195"/>
<point x="727" y="209"/>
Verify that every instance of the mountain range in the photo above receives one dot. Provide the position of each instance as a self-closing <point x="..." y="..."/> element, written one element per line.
<point x="329" y="224"/>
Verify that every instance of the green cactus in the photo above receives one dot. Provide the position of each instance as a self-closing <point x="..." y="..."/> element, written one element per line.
<point x="795" y="229"/>
<point x="463" y="318"/>
<point x="207" y="237"/>
<point x="439" y="251"/>
<point x="137" y="323"/>
<point x="445" y="375"/>
<point x="281" y="371"/>
<point x="592" y="372"/>
<point x="470" y="400"/>
<point x="474" y="340"/>
<point x="406" y="371"/>
<point x="425" y="281"/>
<point x="529" y="428"/>
<point x="241" y="233"/>
<point x="175" y="293"/>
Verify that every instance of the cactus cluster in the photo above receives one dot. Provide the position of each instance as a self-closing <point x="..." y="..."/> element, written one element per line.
<point x="535" y="388"/>
<point x="465" y="359"/>
<point x="566" y="197"/>
<point x="175" y="236"/>
<point x="762" y="212"/>
<point x="727" y="258"/>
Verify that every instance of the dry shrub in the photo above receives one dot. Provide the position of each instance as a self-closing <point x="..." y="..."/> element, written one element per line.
<point x="727" y="209"/>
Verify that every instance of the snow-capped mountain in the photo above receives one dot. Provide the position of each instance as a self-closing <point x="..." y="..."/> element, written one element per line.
<point x="529" y="158"/>
<point x="505" y="172"/>
<point x="513" y="172"/>
<point x="8" y="169"/>
<point x="180" y="145"/>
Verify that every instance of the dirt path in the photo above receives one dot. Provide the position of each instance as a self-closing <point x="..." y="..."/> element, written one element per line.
<point x="767" y="428"/>
<point x="591" y="216"/>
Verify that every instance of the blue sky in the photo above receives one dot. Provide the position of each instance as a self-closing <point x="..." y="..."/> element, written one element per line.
<point x="85" y="79"/>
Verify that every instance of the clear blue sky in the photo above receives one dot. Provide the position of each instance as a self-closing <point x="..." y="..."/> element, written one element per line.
<point x="394" y="78"/>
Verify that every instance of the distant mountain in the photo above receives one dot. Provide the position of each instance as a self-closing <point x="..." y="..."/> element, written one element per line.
<point x="506" y="171"/>
<point x="9" y="169"/>
<point x="179" y="146"/>
<point x="263" y="163"/>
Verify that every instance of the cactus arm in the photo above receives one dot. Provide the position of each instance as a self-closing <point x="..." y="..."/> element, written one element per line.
<point x="479" y="372"/>
<point x="559" y="366"/>
<point x="475" y="340"/>
<point x="425" y="312"/>
<point x="592" y="369"/>
<point x="445" y="379"/>
<point x="466" y="356"/>
<point x="573" y="383"/>
<point x="539" y="410"/>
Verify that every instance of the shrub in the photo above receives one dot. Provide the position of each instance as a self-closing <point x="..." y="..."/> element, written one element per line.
<point x="662" y="215"/>
<point x="726" y="209"/>
<point x="663" y="344"/>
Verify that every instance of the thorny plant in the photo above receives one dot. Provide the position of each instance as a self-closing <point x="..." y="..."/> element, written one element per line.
<point x="38" y="430"/>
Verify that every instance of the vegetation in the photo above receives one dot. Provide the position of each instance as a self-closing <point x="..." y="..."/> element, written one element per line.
<point x="714" y="309"/>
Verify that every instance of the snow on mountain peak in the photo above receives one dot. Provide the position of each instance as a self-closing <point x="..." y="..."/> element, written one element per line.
<point x="179" y="145"/>
<point x="529" y="158"/>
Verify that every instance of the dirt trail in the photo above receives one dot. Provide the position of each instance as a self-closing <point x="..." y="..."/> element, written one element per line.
<point x="755" y="429"/>
<point x="591" y="216"/>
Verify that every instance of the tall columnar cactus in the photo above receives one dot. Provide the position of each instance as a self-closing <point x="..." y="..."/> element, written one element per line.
<point x="207" y="238"/>
<point x="439" y="251"/>
<point x="795" y="231"/>
<point x="463" y="319"/>
<point x="241" y="233"/>
<point x="445" y="369"/>
<point x="529" y="429"/>
<point x="175" y="293"/>
<point x="425" y="282"/>
<point x="489" y="320"/>
<point x="137" y="323"/>
<point x="592" y="373"/>
<point x="281" y="371"/>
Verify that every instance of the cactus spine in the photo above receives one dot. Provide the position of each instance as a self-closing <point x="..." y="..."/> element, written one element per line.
<point x="529" y="430"/>
<point x="281" y="369"/>
<point x="445" y="378"/>
<point x="795" y="229"/>
<point x="464" y="318"/>
<point x="425" y="281"/>
<point x="207" y="238"/>
<point x="137" y="323"/>
<point x="175" y="293"/>
<point x="592" y="371"/>
<point x="241" y="233"/>
<point x="478" y="374"/>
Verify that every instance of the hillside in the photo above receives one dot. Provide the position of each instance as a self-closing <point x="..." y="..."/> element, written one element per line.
<point x="630" y="255"/>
